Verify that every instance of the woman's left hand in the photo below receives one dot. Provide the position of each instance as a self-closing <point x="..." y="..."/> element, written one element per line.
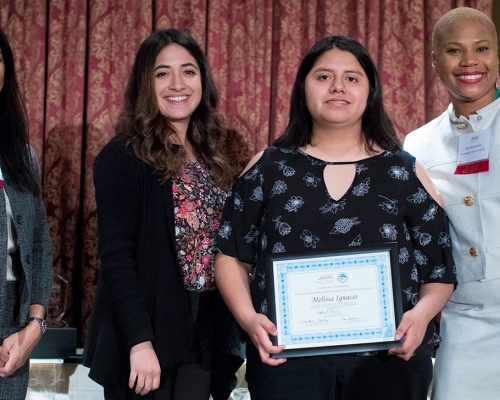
<point x="18" y="346"/>
<point x="4" y="356"/>
<point x="412" y="327"/>
<point x="433" y="296"/>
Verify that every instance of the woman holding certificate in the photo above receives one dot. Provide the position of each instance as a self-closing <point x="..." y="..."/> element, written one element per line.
<point x="465" y="58"/>
<point x="336" y="180"/>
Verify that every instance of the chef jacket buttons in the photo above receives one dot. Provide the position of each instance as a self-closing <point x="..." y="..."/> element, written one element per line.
<point x="469" y="201"/>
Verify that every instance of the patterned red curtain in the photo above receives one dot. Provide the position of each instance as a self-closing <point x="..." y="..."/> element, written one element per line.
<point x="73" y="59"/>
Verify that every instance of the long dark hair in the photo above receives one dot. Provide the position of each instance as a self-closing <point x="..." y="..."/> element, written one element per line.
<point x="18" y="167"/>
<point x="376" y="124"/>
<point x="148" y="130"/>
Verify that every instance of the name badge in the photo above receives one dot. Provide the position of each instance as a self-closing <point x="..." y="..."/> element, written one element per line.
<point x="473" y="152"/>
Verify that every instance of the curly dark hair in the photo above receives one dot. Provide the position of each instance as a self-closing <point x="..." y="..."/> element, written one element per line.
<point x="18" y="167"/>
<point x="376" y="124"/>
<point x="148" y="131"/>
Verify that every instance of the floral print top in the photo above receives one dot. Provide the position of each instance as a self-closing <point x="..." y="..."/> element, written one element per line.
<point x="284" y="205"/>
<point x="198" y="208"/>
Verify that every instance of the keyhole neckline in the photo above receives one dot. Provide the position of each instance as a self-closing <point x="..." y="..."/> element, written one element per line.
<point x="382" y="154"/>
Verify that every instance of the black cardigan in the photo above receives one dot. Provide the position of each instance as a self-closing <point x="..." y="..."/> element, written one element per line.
<point x="140" y="292"/>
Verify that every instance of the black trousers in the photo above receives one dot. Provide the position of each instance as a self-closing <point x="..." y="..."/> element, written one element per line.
<point x="339" y="377"/>
<point x="188" y="381"/>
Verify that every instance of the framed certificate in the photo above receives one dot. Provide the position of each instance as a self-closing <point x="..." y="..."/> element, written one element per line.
<point x="334" y="302"/>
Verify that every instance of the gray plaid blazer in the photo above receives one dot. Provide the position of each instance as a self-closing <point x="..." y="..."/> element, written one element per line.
<point x="35" y="259"/>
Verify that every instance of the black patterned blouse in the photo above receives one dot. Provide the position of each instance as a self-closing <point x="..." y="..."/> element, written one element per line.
<point x="284" y="206"/>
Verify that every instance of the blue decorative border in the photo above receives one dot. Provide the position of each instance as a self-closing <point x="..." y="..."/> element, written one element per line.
<point x="377" y="259"/>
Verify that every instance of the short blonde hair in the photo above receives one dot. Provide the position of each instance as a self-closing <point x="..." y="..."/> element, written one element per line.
<point x="460" y="15"/>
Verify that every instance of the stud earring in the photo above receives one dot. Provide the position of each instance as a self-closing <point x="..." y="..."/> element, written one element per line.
<point x="497" y="85"/>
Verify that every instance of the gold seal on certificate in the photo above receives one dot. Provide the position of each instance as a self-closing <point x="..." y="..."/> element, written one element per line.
<point x="336" y="302"/>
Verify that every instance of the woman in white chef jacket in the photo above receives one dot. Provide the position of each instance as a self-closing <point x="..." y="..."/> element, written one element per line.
<point x="461" y="152"/>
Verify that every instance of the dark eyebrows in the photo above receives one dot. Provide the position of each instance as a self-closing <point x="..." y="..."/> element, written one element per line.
<point x="349" y="71"/>
<point x="354" y="71"/>
<point x="189" y="64"/>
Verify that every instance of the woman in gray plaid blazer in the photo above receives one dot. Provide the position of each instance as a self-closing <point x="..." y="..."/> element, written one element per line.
<point x="25" y="247"/>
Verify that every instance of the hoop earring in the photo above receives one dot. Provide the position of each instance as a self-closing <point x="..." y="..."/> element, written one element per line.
<point x="497" y="84"/>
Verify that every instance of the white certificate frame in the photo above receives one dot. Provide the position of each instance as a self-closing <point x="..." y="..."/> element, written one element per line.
<point x="308" y="295"/>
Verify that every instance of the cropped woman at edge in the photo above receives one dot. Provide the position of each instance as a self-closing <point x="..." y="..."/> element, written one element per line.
<point x="25" y="250"/>
<point x="335" y="179"/>
<point x="160" y="187"/>
<point x="465" y="58"/>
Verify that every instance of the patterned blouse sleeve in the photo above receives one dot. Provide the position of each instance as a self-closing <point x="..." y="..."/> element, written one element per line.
<point x="239" y="231"/>
<point x="428" y="228"/>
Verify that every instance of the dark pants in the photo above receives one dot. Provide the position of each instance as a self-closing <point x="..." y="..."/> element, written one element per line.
<point x="339" y="377"/>
<point x="188" y="381"/>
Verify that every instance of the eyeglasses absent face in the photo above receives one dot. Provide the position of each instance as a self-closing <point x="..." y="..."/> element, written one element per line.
<point x="177" y="82"/>
<point x="466" y="61"/>
<point x="336" y="90"/>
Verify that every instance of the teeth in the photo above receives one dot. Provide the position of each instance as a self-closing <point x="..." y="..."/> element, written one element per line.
<point x="470" y="77"/>
<point x="177" y="98"/>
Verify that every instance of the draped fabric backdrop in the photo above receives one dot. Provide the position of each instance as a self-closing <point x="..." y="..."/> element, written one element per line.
<point x="73" y="59"/>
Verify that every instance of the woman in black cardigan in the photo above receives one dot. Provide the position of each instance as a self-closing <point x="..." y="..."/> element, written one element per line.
<point x="160" y="187"/>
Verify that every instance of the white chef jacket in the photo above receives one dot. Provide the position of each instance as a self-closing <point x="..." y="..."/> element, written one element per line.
<point x="471" y="201"/>
<point x="468" y="359"/>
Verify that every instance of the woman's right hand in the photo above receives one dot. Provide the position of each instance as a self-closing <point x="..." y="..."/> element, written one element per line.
<point x="144" y="368"/>
<point x="259" y="327"/>
<point x="233" y="280"/>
